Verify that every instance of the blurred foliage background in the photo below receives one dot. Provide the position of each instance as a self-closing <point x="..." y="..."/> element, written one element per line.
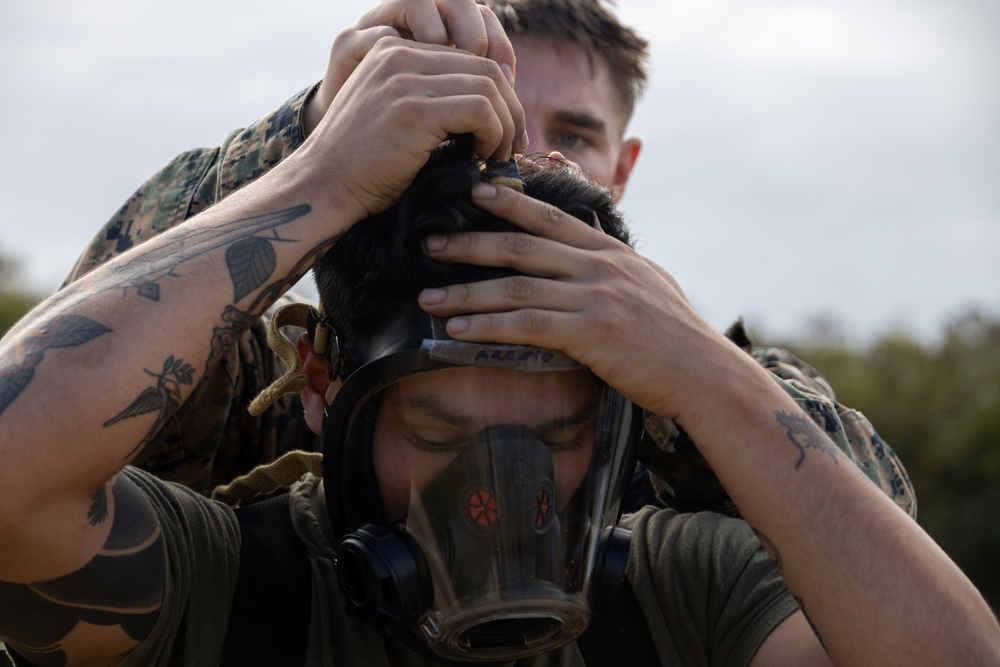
<point x="937" y="404"/>
<point x="15" y="300"/>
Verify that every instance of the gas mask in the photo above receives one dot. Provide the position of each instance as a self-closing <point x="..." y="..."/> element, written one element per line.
<point x="474" y="491"/>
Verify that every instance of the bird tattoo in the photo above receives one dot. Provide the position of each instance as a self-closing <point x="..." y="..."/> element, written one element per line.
<point x="163" y="398"/>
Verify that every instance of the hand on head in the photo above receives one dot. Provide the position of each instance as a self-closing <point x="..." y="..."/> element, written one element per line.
<point x="401" y="102"/>
<point x="584" y="293"/>
<point x="460" y="23"/>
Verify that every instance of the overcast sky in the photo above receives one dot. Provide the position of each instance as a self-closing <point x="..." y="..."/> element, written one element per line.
<point x="804" y="160"/>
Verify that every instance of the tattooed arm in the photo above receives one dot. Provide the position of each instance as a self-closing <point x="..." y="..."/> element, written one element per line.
<point x="872" y="584"/>
<point x="89" y="376"/>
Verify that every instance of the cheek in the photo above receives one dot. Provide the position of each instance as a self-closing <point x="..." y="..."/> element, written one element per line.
<point x="570" y="468"/>
<point x="402" y="469"/>
<point x="391" y="466"/>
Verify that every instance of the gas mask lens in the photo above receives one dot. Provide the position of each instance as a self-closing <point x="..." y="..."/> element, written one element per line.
<point x="504" y="483"/>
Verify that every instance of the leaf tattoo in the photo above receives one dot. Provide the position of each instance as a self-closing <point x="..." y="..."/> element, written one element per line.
<point x="251" y="262"/>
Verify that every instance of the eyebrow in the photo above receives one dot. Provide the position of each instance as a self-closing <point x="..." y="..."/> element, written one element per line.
<point x="433" y="407"/>
<point x="580" y="119"/>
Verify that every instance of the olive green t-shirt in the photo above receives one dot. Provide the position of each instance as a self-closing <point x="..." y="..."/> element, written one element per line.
<point x="708" y="592"/>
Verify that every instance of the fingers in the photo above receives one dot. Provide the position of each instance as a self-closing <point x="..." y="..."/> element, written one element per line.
<point x="473" y="91"/>
<point x="463" y="23"/>
<point x="351" y="47"/>
<point x="499" y="48"/>
<point x="501" y="295"/>
<point x="402" y="101"/>
<point x="537" y="217"/>
<point x="525" y="253"/>
<point x="418" y="18"/>
<point x="443" y="23"/>
<point x="514" y="310"/>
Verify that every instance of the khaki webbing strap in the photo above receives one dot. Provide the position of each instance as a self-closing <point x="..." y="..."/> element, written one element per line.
<point x="265" y="479"/>
<point x="297" y="315"/>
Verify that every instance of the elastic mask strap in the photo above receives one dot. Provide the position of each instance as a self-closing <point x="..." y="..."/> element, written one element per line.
<point x="324" y="340"/>
<point x="502" y="173"/>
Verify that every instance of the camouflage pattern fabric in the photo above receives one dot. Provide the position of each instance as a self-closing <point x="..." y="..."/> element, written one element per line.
<point x="212" y="439"/>
<point x="681" y="478"/>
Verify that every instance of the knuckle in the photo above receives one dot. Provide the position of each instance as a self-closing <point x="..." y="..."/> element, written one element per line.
<point x="464" y="293"/>
<point x="490" y="70"/>
<point x="520" y="244"/>
<point x="604" y="265"/>
<point x="481" y="106"/>
<point x="532" y="321"/>
<point x="552" y="215"/>
<point x="394" y="55"/>
<point x="519" y="287"/>
<point x="342" y="38"/>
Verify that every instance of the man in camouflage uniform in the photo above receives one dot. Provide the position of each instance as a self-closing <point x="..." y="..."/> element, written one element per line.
<point x="576" y="103"/>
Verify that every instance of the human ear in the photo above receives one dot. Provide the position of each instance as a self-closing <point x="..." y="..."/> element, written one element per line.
<point x="319" y="390"/>
<point x="627" y="156"/>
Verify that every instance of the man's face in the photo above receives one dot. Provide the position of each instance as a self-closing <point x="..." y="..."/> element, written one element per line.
<point x="573" y="108"/>
<point x="425" y="421"/>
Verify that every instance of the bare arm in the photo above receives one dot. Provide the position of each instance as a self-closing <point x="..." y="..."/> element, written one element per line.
<point x="875" y="587"/>
<point x="88" y="376"/>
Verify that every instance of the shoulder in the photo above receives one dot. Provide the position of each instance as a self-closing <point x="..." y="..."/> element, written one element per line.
<point x="707" y="589"/>
<point x="201" y="541"/>
<point x="665" y="537"/>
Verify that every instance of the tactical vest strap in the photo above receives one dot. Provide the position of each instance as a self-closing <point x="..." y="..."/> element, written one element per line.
<point x="269" y="620"/>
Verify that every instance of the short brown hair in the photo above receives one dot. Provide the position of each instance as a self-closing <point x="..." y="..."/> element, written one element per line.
<point x="590" y="25"/>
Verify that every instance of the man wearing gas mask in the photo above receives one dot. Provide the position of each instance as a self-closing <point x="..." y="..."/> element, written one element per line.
<point x="580" y="72"/>
<point x="479" y="427"/>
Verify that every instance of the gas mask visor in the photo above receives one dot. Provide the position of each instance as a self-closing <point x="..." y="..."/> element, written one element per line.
<point x="474" y="490"/>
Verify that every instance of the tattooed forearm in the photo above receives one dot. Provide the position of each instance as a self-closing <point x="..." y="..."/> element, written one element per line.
<point x="116" y="596"/>
<point x="163" y="398"/>
<point x="247" y="263"/>
<point x="18" y="367"/>
<point x="804" y="434"/>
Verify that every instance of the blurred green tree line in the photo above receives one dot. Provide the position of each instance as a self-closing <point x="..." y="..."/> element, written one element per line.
<point x="937" y="405"/>
<point x="15" y="300"/>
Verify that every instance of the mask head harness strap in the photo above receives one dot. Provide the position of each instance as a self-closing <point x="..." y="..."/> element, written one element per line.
<point x="324" y="342"/>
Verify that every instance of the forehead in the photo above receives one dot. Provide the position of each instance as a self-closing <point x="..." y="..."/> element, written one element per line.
<point x="557" y="76"/>
<point x="490" y="396"/>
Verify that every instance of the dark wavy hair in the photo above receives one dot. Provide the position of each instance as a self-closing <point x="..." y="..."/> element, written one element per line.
<point x="379" y="262"/>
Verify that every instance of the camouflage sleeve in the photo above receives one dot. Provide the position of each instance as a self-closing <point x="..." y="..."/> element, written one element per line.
<point x="195" y="180"/>
<point x="212" y="438"/>
<point x="682" y="479"/>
